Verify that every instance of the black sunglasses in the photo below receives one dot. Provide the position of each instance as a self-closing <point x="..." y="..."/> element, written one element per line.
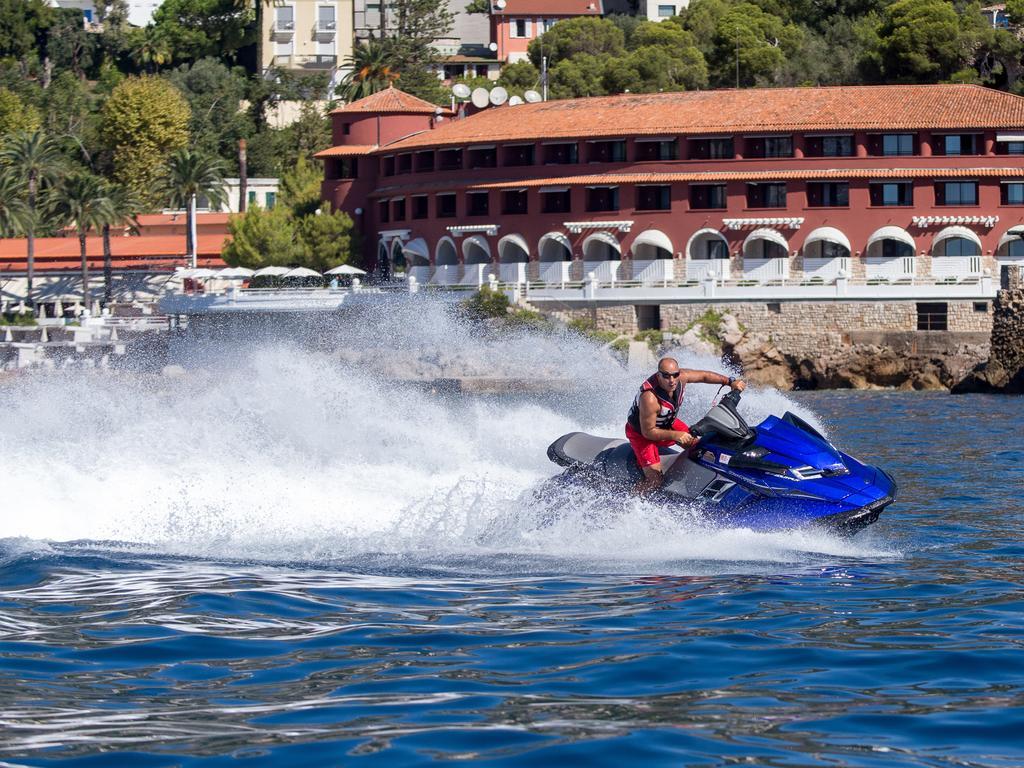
<point x="669" y="375"/>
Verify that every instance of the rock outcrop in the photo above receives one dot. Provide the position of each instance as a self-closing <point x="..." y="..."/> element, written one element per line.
<point x="1003" y="372"/>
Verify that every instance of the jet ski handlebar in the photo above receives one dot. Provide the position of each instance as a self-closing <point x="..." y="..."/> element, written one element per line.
<point x="724" y="421"/>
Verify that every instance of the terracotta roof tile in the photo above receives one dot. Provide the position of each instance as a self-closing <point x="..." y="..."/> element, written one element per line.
<point x="349" y="150"/>
<point x="129" y="252"/>
<point x="707" y="177"/>
<point x="389" y="100"/>
<point x="550" y="8"/>
<point x="763" y="110"/>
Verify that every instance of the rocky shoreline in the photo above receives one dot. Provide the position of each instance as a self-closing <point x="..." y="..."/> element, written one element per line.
<point x="1003" y="371"/>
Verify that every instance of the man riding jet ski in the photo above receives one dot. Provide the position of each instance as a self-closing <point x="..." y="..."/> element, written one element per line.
<point x="780" y="474"/>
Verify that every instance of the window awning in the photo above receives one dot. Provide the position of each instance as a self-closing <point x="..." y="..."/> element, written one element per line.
<point x="516" y="240"/>
<point x="1010" y="137"/>
<point x="654" y="237"/>
<point x="828" y="234"/>
<point x="603" y="237"/>
<point x="891" y="233"/>
<point x="956" y="231"/>
<point x="417" y="247"/>
<point x="766" y="234"/>
<point x="1012" y="234"/>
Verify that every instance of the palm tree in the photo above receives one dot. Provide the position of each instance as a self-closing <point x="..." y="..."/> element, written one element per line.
<point x="33" y="157"/>
<point x="83" y="204"/>
<point x="191" y="174"/>
<point x="122" y="211"/>
<point x="370" y="70"/>
<point x="150" y="49"/>
<point x="13" y="211"/>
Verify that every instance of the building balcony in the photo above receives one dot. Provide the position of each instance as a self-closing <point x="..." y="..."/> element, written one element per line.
<point x="306" y="62"/>
<point x="283" y="30"/>
<point x="325" y="29"/>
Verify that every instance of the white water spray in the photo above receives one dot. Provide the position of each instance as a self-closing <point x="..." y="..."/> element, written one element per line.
<point x="282" y="453"/>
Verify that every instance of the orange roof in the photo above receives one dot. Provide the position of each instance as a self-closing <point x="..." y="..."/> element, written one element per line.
<point x="167" y="219"/>
<point x="351" y="150"/>
<point x="550" y="8"/>
<point x="765" y="110"/>
<point x="390" y="99"/>
<point x="706" y="177"/>
<point x="128" y="252"/>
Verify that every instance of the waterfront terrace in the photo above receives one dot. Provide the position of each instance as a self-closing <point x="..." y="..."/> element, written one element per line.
<point x="874" y="184"/>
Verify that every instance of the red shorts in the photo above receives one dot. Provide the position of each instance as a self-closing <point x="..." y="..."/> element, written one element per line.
<point x="647" y="450"/>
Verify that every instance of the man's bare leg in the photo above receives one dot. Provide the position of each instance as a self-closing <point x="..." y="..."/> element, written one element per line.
<point x="651" y="481"/>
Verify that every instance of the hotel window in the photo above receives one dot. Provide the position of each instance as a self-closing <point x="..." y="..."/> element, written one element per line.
<point x="483" y="157"/>
<point x="707" y="196"/>
<point x="828" y="194"/>
<point x="714" y="248"/>
<point x="656" y="197"/>
<point x="449" y="159"/>
<point x="1010" y="147"/>
<point x="425" y="161"/>
<point x="252" y="197"/>
<point x="398" y="209"/>
<point x="388" y="166"/>
<point x="271" y="199"/>
<point x="518" y="155"/>
<point x="346" y="129"/>
<point x="561" y="154"/>
<point x="384" y="209"/>
<point x="479" y="203"/>
<point x="602" y="199"/>
<point x="607" y="152"/>
<point x="657" y="150"/>
<point x="419" y="206"/>
<point x="892" y="193"/>
<point x="896" y="249"/>
<point x="347" y="168"/>
<point x="710" y="149"/>
<point x="932" y="316"/>
<point x="828" y="146"/>
<point x="556" y="201"/>
<point x="405" y="163"/>
<point x="766" y="195"/>
<point x="445" y="203"/>
<point x="830" y="250"/>
<point x="666" y="11"/>
<point x="960" y="144"/>
<point x="548" y="24"/>
<point x="764" y="249"/>
<point x="957" y="246"/>
<point x="768" y="146"/>
<point x="956" y="193"/>
<point x="521" y="28"/>
<point x="513" y="201"/>
<point x="1012" y="194"/>
<point x="895" y="144"/>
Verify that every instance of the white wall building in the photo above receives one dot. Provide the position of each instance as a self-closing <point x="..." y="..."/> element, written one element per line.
<point x="259" y="191"/>
<point x="140" y="12"/>
<point x="658" y="10"/>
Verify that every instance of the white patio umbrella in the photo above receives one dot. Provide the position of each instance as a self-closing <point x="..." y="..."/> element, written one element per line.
<point x="202" y="274"/>
<point x="301" y="272"/>
<point x="345" y="269"/>
<point x="270" y="271"/>
<point x="234" y="273"/>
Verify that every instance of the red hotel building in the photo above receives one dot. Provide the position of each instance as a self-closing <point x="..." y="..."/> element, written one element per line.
<point x="887" y="183"/>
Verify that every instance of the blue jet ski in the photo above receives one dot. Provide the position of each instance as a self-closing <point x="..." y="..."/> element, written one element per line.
<point x="780" y="474"/>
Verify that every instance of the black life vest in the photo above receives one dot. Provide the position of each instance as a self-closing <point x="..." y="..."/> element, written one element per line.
<point x="668" y="405"/>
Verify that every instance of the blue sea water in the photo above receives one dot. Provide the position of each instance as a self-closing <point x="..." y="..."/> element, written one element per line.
<point x="234" y="629"/>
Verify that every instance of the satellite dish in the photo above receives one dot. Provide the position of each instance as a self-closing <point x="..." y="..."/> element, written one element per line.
<point x="461" y="90"/>
<point x="532" y="96"/>
<point x="500" y="4"/>
<point x="515" y="101"/>
<point x="492" y="46"/>
<point x="498" y="95"/>
<point x="480" y="98"/>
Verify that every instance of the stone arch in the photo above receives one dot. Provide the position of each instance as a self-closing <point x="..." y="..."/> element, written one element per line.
<point x="651" y="245"/>
<point x="707" y="243"/>
<point x="765" y="244"/>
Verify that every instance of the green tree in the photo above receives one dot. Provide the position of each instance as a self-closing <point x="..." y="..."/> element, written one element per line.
<point x="478" y="6"/>
<point x="756" y="41"/>
<point x="34" y="158"/>
<point x="69" y="44"/>
<point x="214" y="93"/>
<point x="149" y="48"/>
<point x="919" y="41"/>
<point x="370" y="69"/>
<point x="143" y="121"/>
<point x="665" y="68"/>
<point x="122" y="210"/>
<point x="519" y="77"/>
<point x="326" y="239"/>
<point x="197" y="28"/>
<point x="576" y="77"/>
<point x="15" y="114"/>
<point x="583" y="34"/>
<point x="70" y="116"/>
<point x="13" y="210"/>
<point x="299" y="188"/>
<point x="261" y="238"/>
<point x="82" y="205"/>
<point x="22" y="25"/>
<point x="190" y="174"/>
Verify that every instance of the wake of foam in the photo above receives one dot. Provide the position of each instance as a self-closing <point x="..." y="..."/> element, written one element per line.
<point x="279" y="453"/>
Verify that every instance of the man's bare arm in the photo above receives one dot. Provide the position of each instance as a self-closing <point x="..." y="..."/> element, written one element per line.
<point x="649" y="422"/>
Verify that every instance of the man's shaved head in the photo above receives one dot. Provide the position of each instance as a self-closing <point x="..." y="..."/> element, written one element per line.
<point x="668" y="364"/>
